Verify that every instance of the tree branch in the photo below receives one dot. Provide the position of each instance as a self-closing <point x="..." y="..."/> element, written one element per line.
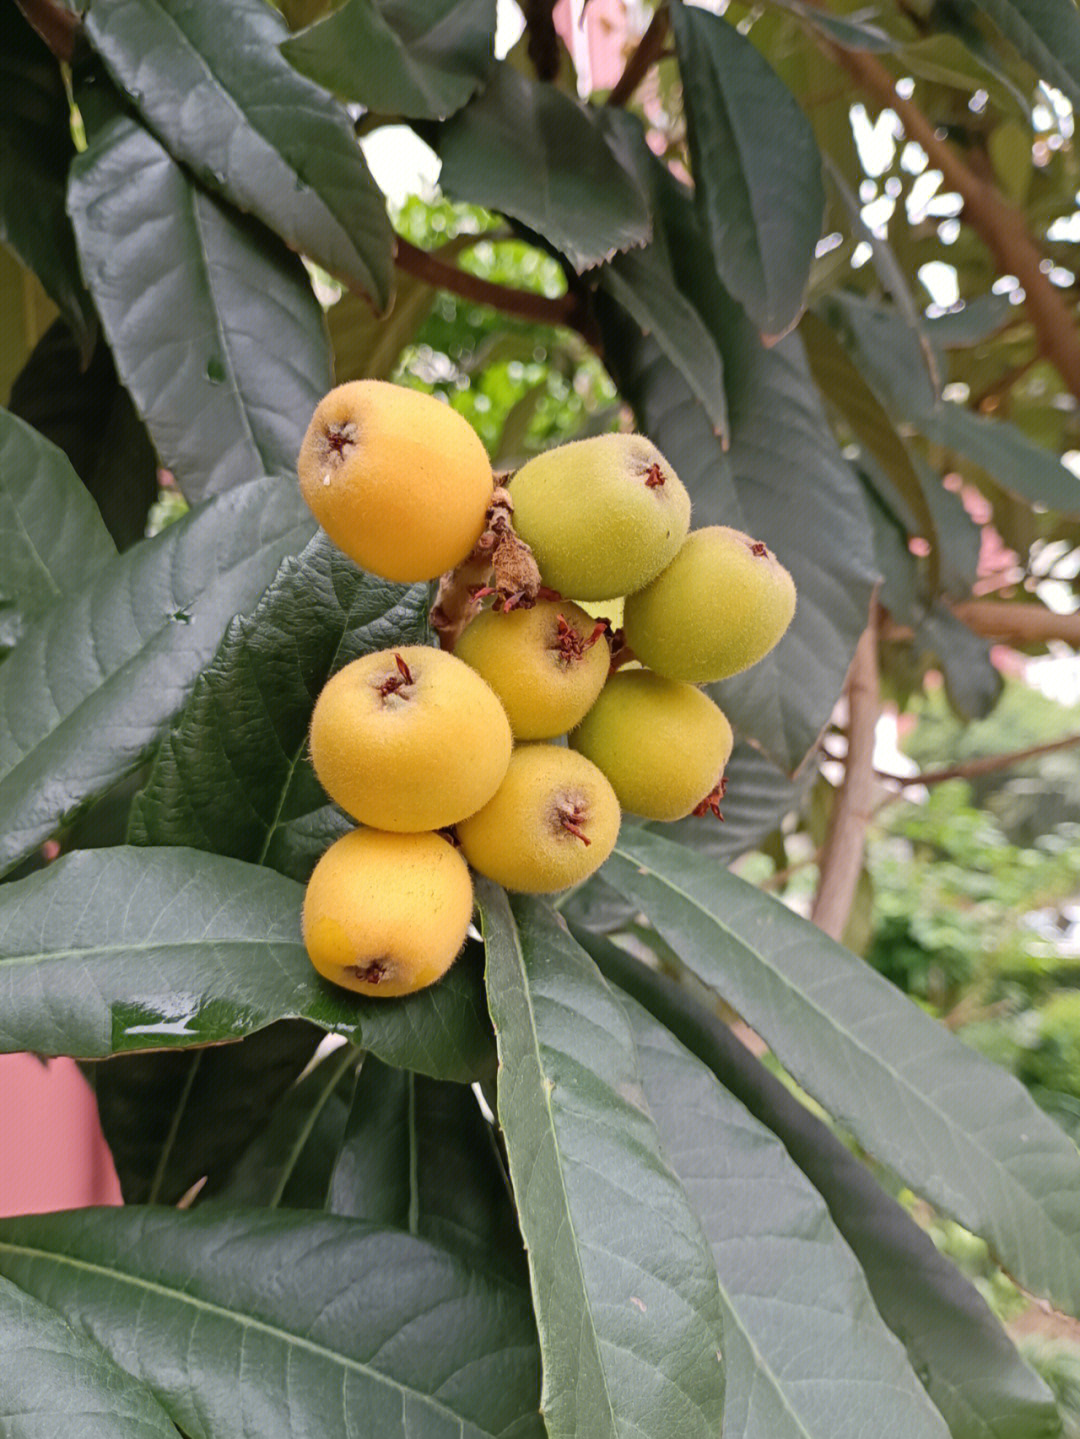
<point x="56" y="25"/>
<point x="985" y="764"/>
<point x="998" y="224"/>
<point x="644" y="57"/>
<point x="842" y="854"/>
<point x="1006" y="621"/>
<point x="564" y="310"/>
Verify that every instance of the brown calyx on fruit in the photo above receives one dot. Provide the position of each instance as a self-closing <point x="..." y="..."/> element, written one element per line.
<point x="340" y="441"/>
<point x="654" y="476"/>
<point x="374" y="972"/>
<point x="570" y="645"/>
<point x="757" y="548"/>
<point x="394" y="684"/>
<point x="570" y="812"/>
<point x="500" y="564"/>
<point x="711" y="803"/>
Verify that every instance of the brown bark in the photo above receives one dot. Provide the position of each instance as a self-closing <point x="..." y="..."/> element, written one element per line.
<point x="842" y="854"/>
<point x="562" y="310"/>
<point x="648" y="51"/>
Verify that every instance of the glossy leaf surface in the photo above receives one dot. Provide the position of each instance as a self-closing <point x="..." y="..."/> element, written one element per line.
<point x="954" y="1342"/>
<point x="233" y="774"/>
<point x="807" y="1353"/>
<point x="527" y="150"/>
<point x="53" y="1380"/>
<point x="52" y="539"/>
<point x="954" y="1126"/>
<point x="226" y="1319"/>
<point x="418" y="58"/>
<point x="762" y="203"/>
<point x="93" y="681"/>
<point x="623" y="1284"/>
<point x="216" y="88"/>
<point x="149" y="949"/>
<point x="215" y="328"/>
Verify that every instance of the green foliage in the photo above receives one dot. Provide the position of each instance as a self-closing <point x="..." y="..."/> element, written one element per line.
<point x="641" y="1229"/>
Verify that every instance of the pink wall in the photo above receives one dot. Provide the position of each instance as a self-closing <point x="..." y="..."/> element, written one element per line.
<point x="52" y="1154"/>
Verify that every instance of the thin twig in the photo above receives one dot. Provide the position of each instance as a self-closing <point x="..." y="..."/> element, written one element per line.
<point x="644" y="57"/>
<point x="985" y="764"/>
<point x="842" y="853"/>
<point x="563" y="310"/>
<point x="1008" y="621"/>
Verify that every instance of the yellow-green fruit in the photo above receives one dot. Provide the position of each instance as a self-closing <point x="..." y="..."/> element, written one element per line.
<point x="547" y="664"/>
<point x="662" y="744"/>
<point x="385" y="913"/>
<point x="720" y="606"/>
<point x="396" y="478"/>
<point x="554" y="820"/>
<point x="409" y="739"/>
<point x="602" y="516"/>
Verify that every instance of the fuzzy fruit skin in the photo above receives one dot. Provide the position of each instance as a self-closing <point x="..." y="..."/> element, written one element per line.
<point x="518" y="840"/>
<point x="662" y="744"/>
<point x="719" y="607"/>
<point x="544" y="676"/>
<point x="399" y="901"/>
<point x="596" y="528"/>
<point x="419" y="757"/>
<point x="405" y="486"/>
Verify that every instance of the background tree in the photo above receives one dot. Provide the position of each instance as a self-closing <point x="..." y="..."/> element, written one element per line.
<point x="731" y="243"/>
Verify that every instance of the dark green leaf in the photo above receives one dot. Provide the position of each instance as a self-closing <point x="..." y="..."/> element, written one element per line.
<point x="842" y="384"/>
<point x="172" y="1117"/>
<point x="807" y="1354"/>
<point x="624" y="1287"/>
<point x="887" y="355"/>
<point x="953" y="1125"/>
<point x="646" y="290"/>
<point x="233" y="772"/>
<point x="762" y="202"/>
<point x="35" y="151"/>
<point x="290" y="1160"/>
<point x="528" y="151"/>
<point x="94" y="681"/>
<point x="272" y="1323"/>
<point x="418" y="58"/>
<point x="214" y="326"/>
<point x="54" y="1381"/>
<point x="214" y="85"/>
<point x="955" y="1344"/>
<point x="52" y="540"/>
<point x="418" y="1155"/>
<point x="972" y="682"/>
<point x="1047" y="34"/>
<point x="160" y="948"/>
<point x="85" y="410"/>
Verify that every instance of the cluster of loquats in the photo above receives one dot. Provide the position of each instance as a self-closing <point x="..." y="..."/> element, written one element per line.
<point x="516" y="753"/>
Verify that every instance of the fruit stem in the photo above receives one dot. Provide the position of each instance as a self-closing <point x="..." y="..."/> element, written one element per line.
<point x="501" y="564"/>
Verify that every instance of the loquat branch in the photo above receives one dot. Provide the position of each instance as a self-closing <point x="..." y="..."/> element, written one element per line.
<point x="563" y="310"/>
<point x="649" y="49"/>
<point x="842" y="853"/>
<point x="985" y="764"/>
